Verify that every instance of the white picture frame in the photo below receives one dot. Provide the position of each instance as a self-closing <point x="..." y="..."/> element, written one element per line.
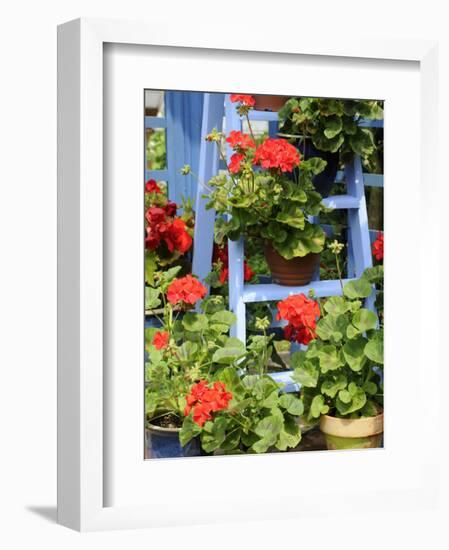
<point x="82" y="394"/>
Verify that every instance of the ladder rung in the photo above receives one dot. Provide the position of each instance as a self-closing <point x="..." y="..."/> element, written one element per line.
<point x="338" y="202"/>
<point x="268" y="292"/>
<point x="285" y="377"/>
<point x="155" y="122"/>
<point x="263" y="115"/>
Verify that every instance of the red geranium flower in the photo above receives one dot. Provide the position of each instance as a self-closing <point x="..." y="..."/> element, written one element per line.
<point x="187" y="289"/>
<point x="299" y="310"/>
<point x="378" y="246"/>
<point x="176" y="236"/>
<point x="170" y="208"/>
<point x="204" y="400"/>
<point x="302" y="334"/>
<point x="160" y="339"/>
<point x="155" y="215"/>
<point x="220" y="253"/>
<point x="234" y="165"/>
<point x="245" y="99"/>
<point x="248" y="273"/>
<point x="278" y="154"/>
<point x="240" y="141"/>
<point x="152" y="187"/>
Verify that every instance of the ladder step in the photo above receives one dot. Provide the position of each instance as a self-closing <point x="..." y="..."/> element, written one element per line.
<point x="339" y="202"/>
<point x="268" y="292"/>
<point x="268" y="116"/>
<point x="285" y="377"/>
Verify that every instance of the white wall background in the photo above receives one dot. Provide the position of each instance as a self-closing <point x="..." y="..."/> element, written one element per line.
<point x="28" y="269"/>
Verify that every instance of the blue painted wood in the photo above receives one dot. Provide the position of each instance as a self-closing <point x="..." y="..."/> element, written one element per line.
<point x="285" y="377"/>
<point x="268" y="292"/>
<point x="365" y="123"/>
<point x="369" y="180"/>
<point x="213" y="111"/>
<point x="239" y="293"/>
<point x="182" y="139"/>
<point x="155" y="122"/>
<point x="340" y="202"/>
<point x="158" y="175"/>
<point x="235" y="248"/>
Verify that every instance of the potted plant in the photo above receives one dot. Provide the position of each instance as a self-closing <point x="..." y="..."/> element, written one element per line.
<point x="328" y="128"/>
<point x="257" y="199"/>
<point x="249" y="415"/>
<point x="340" y="372"/>
<point x="181" y="353"/>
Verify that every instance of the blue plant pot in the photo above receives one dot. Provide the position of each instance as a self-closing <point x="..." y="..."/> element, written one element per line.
<point x="164" y="443"/>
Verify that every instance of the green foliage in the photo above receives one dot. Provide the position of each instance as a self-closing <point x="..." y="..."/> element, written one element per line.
<point x="267" y="205"/>
<point x="259" y="418"/>
<point x="340" y="372"/>
<point x="331" y="124"/>
<point x="198" y="347"/>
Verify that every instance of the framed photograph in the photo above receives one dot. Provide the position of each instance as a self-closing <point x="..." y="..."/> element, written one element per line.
<point x="225" y="318"/>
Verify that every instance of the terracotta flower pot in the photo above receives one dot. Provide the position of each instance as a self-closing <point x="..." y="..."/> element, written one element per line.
<point x="357" y="433"/>
<point x="294" y="272"/>
<point x="269" y="102"/>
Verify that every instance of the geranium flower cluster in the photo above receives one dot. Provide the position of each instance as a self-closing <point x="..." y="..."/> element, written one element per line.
<point x="302" y="314"/>
<point x="221" y="255"/>
<point x="277" y="154"/>
<point x="378" y="246"/>
<point x="205" y="400"/>
<point x="162" y="224"/>
<point x="272" y="153"/>
<point x="161" y="339"/>
<point x="186" y="289"/>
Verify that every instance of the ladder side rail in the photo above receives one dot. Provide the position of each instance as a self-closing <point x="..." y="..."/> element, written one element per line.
<point x="236" y="252"/>
<point x="213" y="111"/>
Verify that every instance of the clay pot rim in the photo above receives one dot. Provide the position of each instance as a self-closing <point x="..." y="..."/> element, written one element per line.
<point x="153" y="428"/>
<point x="352" y="427"/>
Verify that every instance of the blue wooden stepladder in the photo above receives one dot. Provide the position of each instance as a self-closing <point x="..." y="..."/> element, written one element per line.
<point x="215" y="107"/>
<point x="182" y="127"/>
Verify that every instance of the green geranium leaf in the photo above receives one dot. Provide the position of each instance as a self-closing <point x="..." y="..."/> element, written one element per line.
<point x="214" y="434"/>
<point x="374" y="349"/>
<point x="333" y="384"/>
<point x="370" y="387"/>
<point x="224" y="317"/>
<point x="364" y="319"/>
<point x="357" y="402"/>
<point x="189" y="430"/>
<point x="337" y="305"/>
<point x="354" y="354"/>
<point x="233" y="350"/>
<point x="329" y="359"/>
<point x="269" y="428"/>
<point x="152" y="300"/>
<point x="318" y="406"/>
<point x="150" y="267"/>
<point x="332" y="126"/>
<point x="307" y="374"/>
<point x="373" y="274"/>
<point x="289" y="436"/>
<point x="360" y="288"/>
<point x="292" y="404"/>
<point x="291" y="215"/>
<point x="344" y="396"/>
<point x="299" y="243"/>
<point x="332" y="327"/>
<point x="195" y="322"/>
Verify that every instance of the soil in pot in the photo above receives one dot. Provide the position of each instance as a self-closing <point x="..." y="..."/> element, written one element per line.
<point x="162" y="439"/>
<point x="357" y="433"/>
<point x="269" y="102"/>
<point x="294" y="272"/>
